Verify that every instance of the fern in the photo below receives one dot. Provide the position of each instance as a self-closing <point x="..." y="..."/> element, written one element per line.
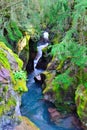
<point x="62" y="81"/>
<point x="72" y="50"/>
<point x="4" y="40"/>
<point x="77" y="55"/>
<point x="10" y="34"/>
<point x="17" y="33"/>
<point x="20" y="75"/>
<point x="14" y="34"/>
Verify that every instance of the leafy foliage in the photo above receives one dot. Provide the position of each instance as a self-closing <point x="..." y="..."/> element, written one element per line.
<point x="51" y="13"/>
<point x="11" y="34"/>
<point x="20" y="75"/>
<point x="4" y="40"/>
<point x="62" y="80"/>
<point x="77" y="55"/>
<point x="14" y="33"/>
<point x="72" y="50"/>
<point x="73" y="44"/>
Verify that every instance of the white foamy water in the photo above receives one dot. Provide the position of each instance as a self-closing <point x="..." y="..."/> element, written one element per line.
<point x="39" y="53"/>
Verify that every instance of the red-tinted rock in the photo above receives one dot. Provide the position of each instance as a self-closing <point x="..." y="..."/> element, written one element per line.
<point x="54" y="113"/>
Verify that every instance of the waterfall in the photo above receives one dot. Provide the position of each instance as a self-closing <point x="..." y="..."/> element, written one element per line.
<point x="39" y="53"/>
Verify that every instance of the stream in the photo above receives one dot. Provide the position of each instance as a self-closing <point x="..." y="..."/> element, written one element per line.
<point x="36" y="109"/>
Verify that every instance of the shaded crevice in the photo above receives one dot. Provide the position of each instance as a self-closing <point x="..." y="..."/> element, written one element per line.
<point x="32" y="55"/>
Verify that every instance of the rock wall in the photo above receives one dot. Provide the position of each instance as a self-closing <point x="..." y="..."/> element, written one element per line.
<point x="62" y="98"/>
<point x="12" y="85"/>
<point x="81" y="103"/>
<point x="71" y="99"/>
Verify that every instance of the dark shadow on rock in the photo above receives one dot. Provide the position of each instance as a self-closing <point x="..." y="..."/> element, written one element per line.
<point x="32" y="55"/>
<point x="40" y="78"/>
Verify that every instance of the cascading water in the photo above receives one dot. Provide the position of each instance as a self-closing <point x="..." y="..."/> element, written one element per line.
<point x="39" y="53"/>
<point x="35" y="108"/>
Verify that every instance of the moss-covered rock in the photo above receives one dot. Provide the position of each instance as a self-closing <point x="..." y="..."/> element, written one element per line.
<point x="9" y="56"/>
<point x="81" y="103"/>
<point x="48" y="81"/>
<point x="56" y="39"/>
<point x="23" y="49"/>
<point x="10" y="87"/>
<point x="62" y="97"/>
<point x="20" y="86"/>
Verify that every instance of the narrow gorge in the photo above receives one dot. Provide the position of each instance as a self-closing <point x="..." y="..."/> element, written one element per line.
<point x="43" y="65"/>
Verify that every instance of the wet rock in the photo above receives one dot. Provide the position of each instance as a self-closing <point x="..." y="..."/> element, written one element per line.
<point x="54" y="114"/>
<point x="7" y="123"/>
<point x="70" y="122"/>
<point x="39" y="78"/>
<point x="49" y="96"/>
<point x="66" y="121"/>
<point x="26" y="124"/>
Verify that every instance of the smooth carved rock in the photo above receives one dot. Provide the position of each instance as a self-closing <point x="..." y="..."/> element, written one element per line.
<point x="26" y="125"/>
<point x="54" y="113"/>
<point x="4" y="75"/>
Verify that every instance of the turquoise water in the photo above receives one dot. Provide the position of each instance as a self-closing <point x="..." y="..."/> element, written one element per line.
<point x="36" y="109"/>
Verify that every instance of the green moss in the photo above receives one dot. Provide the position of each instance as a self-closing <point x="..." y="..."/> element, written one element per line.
<point x="48" y="82"/>
<point x="3" y="60"/>
<point x="56" y="38"/>
<point x="17" y="59"/>
<point x="60" y="66"/>
<point x="11" y="102"/>
<point x="1" y="98"/>
<point x="20" y="86"/>
<point x="1" y="110"/>
<point x="5" y="89"/>
<point x="12" y="78"/>
<point x="81" y="102"/>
